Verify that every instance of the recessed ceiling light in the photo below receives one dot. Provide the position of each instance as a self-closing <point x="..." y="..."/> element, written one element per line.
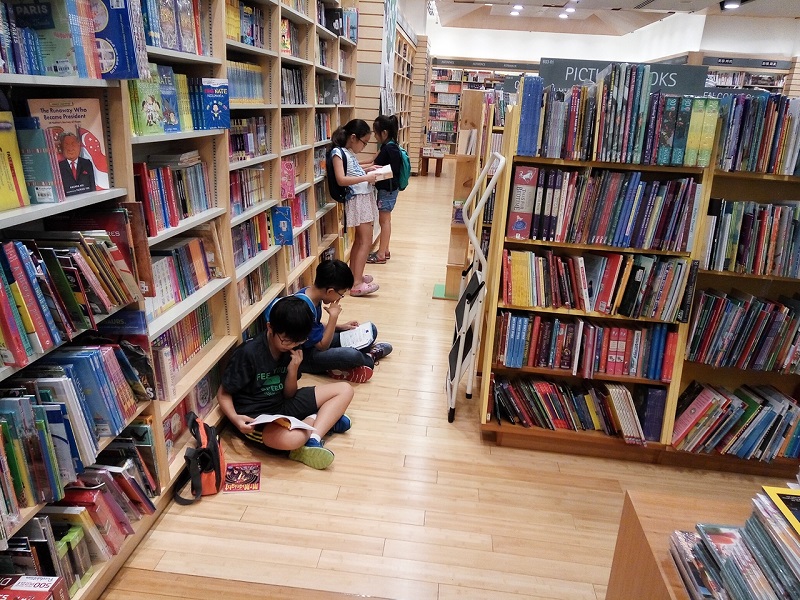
<point x="570" y="10"/>
<point x="514" y="13"/>
<point x="732" y="4"/>
<point x="488" y="4"/>
<point x="563" y="16"/>
<point x="517" y="7"/>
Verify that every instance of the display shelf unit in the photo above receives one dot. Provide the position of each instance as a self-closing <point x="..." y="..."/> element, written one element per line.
<point x="731" y="186"/>
<point x="419" y="102"/>
<point x="124" y="149"/>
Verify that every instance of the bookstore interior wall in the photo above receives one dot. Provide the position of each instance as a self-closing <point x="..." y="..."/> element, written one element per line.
<point x="642" y="285"/>
<point x="152" y="209"/>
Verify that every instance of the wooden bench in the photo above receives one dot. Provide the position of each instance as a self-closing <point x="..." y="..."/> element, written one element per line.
<point x="423" y="164"/>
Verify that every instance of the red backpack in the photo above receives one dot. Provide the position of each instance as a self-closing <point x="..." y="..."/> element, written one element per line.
<point x="205" y="464"/>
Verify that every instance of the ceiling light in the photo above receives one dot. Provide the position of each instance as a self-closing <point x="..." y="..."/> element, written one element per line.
<point x="729" y="4"/>
<point x="517" y="7"/>
<point x="488" y="4"/>
<point x="514" y="13"/>
<point x="570" y="10"/>
<point x="563" y="16"/>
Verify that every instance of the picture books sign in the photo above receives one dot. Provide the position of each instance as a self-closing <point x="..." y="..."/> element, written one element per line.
<point x="670" y="79"/>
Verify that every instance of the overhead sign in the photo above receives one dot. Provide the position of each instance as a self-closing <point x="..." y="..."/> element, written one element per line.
<point x="672" y="79"/>
<point x="461" y="63"/>
<point x="746" y="63"/>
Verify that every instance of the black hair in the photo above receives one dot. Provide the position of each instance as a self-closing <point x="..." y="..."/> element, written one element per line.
<point x="334" y="274"/>
<point x="389" y="124"/>
<point x="291" y="317"/>
<point x="357" y="127"/>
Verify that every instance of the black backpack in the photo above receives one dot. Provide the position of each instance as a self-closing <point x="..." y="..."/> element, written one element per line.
<point x="338" y="192"/>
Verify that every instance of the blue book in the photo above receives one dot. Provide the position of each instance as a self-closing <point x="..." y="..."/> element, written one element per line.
<point x="86" y="371"/>
<point x="123" y="55"/>
<point x="530" y="114"/>
<point x="681" y="130"/>
<point x="61" y="425"/>
<point x="30" y="272"/>
<point x="49" y="457"/>
<point x="215" y="104"/>
<point x="656" y="399"/>
<point x="282" y="225"/>
<point x="169" y="99"/>
<point x="624" y="224"/>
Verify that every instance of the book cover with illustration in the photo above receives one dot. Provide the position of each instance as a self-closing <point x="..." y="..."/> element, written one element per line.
<point x="13" y="192"/>
<point x="216" y="107"/>
<point x="169" y="99"/>
<point x="76" y="128"/>
<point x="242" y="477"/>
<point x="50" y="21"/>
<point x="282" y="225"/>
<point x="287" y="179"/>
<point x="120" y="44"/>
<point x="168" y="19"/>
<point x="145" y="98"/>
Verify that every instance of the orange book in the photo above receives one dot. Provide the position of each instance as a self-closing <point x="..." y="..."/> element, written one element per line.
<point x="670" y="349"/>
<point x="623" y="353"/>
<point x="198" y="255"/>
<point x="602" y="367"/>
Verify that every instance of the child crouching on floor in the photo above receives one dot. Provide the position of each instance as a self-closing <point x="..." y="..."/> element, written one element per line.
<point x="261" y="378"/>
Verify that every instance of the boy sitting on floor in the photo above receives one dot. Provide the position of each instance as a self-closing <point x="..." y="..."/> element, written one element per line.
<point x="323" y="351"/>
<point x="261" y="378"/>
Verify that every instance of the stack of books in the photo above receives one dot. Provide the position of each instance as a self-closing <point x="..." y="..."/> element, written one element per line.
<point x="760" y="559"/>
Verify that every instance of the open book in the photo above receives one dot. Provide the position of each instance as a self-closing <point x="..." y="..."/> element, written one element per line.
<point x="384" y="172"/>
<point x="282" y="420"/>
<point x="357" y="338"/>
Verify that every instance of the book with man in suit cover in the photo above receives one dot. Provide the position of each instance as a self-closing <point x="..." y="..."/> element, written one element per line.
<point x="76" y="128"/>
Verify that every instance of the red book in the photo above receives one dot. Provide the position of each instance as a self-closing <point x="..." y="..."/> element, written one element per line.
<point x="613" y="352"/>
<point x="560" y="338"/>
<point x="607" y="282"/>
<point x="141" y="178"/>
<point x="602" y="367"/>
<point x="627" y="334"/>
<point x="520" y="215"/>
<point x="28" y="296"/>
<point x="174" y="212"/>
<point x="670" y="349"/>
<point x="531" y="359"/>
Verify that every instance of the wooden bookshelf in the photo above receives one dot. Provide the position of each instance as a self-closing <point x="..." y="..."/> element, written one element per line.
<point x="321" y="223"/>
<point x="754" y="187"/>
<point x="404" y="52"/>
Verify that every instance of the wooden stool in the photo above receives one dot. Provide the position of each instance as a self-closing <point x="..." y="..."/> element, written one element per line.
<point x="423" y="165"/>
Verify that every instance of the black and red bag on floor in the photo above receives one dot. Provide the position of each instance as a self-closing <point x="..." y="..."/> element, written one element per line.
<point x="205" y="464"/>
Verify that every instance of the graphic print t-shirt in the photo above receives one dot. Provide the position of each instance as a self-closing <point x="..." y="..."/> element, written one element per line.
<point x="254" y="378"/>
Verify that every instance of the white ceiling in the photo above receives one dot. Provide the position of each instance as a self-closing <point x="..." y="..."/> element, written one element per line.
<point x="602" y="17"/>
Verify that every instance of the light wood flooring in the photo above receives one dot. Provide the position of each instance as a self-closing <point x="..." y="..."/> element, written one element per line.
<point x="413" y="507"/>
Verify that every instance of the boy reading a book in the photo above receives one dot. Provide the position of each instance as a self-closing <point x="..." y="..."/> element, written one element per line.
<point x="261" y="378"/>
<point x="323" y="351"/>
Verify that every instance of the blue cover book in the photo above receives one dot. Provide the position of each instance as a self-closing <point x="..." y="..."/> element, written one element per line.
<point x="58" y="416"/>
<point x="169" y="99"/>
<point x="627" y="207"/>
<point x="121" y="52"/>
<point x="282" y="225"/>
<point x="531" y="108"/>
<point x="215" y="104"/>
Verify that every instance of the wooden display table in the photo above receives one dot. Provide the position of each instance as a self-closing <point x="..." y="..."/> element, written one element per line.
<point x="642" y="566"/>
<point x="424" y="160"/>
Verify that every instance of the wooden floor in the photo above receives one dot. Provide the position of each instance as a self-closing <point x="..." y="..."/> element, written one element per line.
<point x="413" y="507"/>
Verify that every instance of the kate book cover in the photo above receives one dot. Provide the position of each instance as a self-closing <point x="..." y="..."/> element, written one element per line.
<point x="76" y="129"/>
<point x="242" y="477"/>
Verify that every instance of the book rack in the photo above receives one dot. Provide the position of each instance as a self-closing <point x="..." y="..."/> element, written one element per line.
<point x="320" y="56"/>
<point x="731" y="186"/>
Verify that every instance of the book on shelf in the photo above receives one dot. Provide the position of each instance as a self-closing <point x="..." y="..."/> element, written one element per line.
<point x="13" y="190"/>
<point x="121" y="39"/>
<point x="145" y="97"/>
<point x="76" y="127"/>
<point x="35" y="587"/>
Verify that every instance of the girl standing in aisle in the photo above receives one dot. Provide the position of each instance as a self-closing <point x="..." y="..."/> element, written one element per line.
<point x="386" y="129"/>
<point x="361" y="209"/>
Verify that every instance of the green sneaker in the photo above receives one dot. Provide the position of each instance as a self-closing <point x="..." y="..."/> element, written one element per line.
<point x="313" y="454"/>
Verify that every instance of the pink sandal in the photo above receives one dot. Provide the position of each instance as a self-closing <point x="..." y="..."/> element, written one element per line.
<point x="364" y="289"/>
<point x="367" y="278"/>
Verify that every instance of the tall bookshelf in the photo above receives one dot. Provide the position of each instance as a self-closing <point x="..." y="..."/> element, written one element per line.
<point x="403" y="80"/>
<point x="444" y="97"/>
<point x="319" y="55"/>
<point x="419" y="102"/>
<point x="734" y="186"/>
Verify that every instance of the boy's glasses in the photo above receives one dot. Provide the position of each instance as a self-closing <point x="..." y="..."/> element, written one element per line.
<point x="341" y="295"/>
<point x="287" y="342"/>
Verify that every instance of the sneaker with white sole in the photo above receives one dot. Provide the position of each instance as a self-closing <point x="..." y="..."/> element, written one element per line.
<point x="342" y="425"/>
<point x="357" y="375"/>
<point x="380" y="350"/>
<point x="313" y="454"/>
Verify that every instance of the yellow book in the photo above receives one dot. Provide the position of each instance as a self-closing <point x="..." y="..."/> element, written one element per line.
<point x="184" y="104"/>
<point x="787" y="501"/>
<point x="27" y="321"/>
<point x="693" y="136"/>
<point x="13" y="192"/>
<point x="592" y="412"/>
<point x="708" y="132"/>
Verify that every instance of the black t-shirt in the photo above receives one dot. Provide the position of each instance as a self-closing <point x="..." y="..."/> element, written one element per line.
<point x="254" y="378"/>
<point x="389" y="154"/>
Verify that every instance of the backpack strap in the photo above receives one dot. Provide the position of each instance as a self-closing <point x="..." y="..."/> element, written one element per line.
<point x="192" y="470"/>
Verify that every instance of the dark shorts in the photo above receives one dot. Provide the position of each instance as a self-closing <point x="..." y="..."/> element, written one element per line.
<point x="304" y="404"/>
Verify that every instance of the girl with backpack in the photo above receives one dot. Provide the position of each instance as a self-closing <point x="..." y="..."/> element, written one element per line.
<point x="360" y="210"/>
<point x="386" y="130"/>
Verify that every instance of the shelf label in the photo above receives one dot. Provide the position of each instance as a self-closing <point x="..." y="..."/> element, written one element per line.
<point x="746" y="63"/>
<point x="672" y="79"/>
